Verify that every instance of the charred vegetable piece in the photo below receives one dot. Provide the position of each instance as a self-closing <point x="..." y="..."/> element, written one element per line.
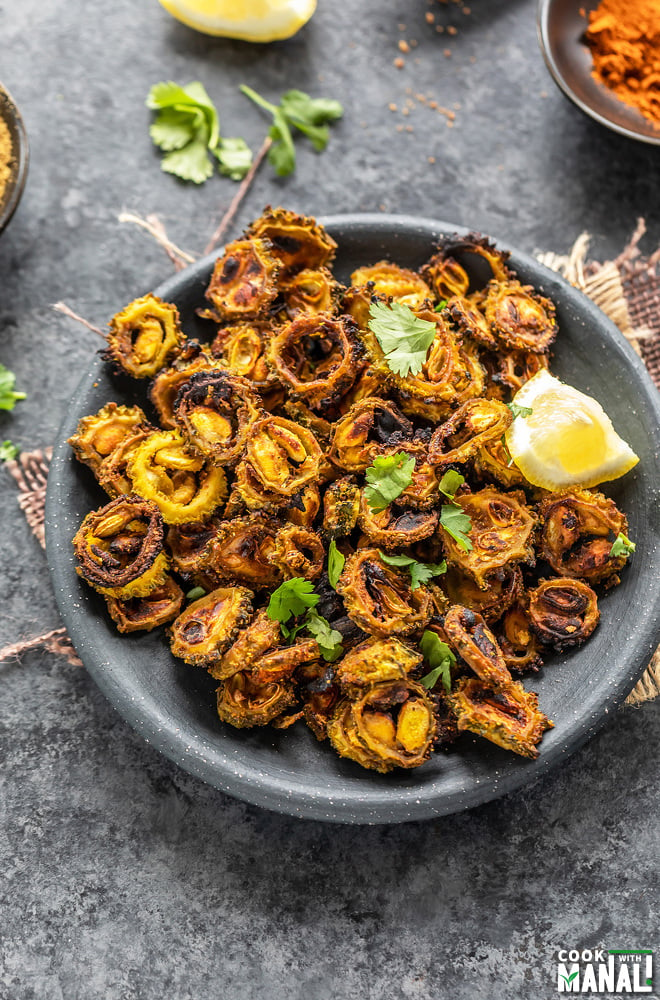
<point x="244" y="281"/>
<point x="283" y="456"/>
<point x="397" y="526"/>
<point x="472" y="425"/>
<point x="502" y="589"/>
<point x="379" y="598"/>
<point x="341" y="505"/>
<point x="578" y="529"/>
<point x="310" y="292"/>
<point x="113" y="472"/>
<point x="517" y="640"/>
<point x="297" y="552"/>
<point x="360" y="436"/>
<point x="243" y="702"/>
<point x="241" y="550"/>
<point x="241" y="348"/>
<point x="185" y="487"/>
<point x="319" y="695"/>
<point x="119" y="548"/>
<point x="208" y="626"/>
<point x="508" y="715"/>
<point x="261" y="650"/>
<point x="563" y="612"/>
<point x="136" y="614"/>
<point x="98" y="436"/>
<point x="509" y="370"/>
<point x="493" y="463"/>
<point x="469" y="321"/>
<point x="304" y="507"/>
<point x="296" y="240"/>
<point x="477" y="248"/>
<point x="249" y="492"/>
<point x="519" y="317"/>
<point x="164" y="389"/>
<point x="469" y="635"/>
<point x="394" y="282"/>
<point x="376" y="661"/>
<point x="316" y="357"/>
<point x="501" y="533"/>
<point x="188" y="542"/>
<point x="446" y="277"/>
<point x="144" y="336"/>
<point x="213" y="411"/>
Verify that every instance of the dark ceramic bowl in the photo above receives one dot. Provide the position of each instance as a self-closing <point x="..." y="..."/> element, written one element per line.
<point x="561" y="29"/>
<point x="173" y="706"/>
<point x="20" y="156"/>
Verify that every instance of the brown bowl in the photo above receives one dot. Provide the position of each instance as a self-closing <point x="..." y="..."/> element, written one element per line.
<point x="561" y="29"/>
<point x="18" y="166"/>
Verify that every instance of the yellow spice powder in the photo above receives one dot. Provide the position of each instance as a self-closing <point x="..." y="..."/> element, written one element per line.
<point x="6" y="156"/>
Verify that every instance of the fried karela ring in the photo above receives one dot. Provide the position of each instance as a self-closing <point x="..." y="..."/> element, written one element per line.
<point x="502" y="589"/>
<point x="113" y="471"/>
<point x="297" y="552"/>
<point x="473" y="245"/>
<point x="98" y="436"/>
<point x="501" y="533"/>
<point x="493" y="462"/>
<point x="469" y="635"/>
<point x="261" y="650"/>
<point x="244" y="281"/>
<point x="184" y="486"/>
<point x="144" y="336"/>
<point x="379" y="598"/>
<point x="119" y="548"/>
<point x="472" y="425"/>
<point x="241" y="551"/>
<point x="507" y="715"/>
<point x="509" y="370"/>
<point x="243" y="702"/>
<point x="375" y="661"/>
<point x="297" y="241"/>
<point x="164" y="389"/>
<point x="213" y="411"/>
<point x="341" y="504"/>
<point x="519" y="317"/>
<point x="310" y="292"/>
<point x="360" y="436"/>
<point x="393" y="282"/>
<point x="241" y="349"/>
<point x="208" y="626"/>
<point x="316" y="357"/>
<point x="563" y="612"/>
<point x="469" y="321"/>
<point x="187" y="543"/>
<point x="303" y="507"/>
<point x="579" y="527"/>
<point x="142" y="614"/>
<point x="397" y="526"/>
<point x="520" y="646"/>
<point x="283" y="456"/>
<point x="446" y="276"/>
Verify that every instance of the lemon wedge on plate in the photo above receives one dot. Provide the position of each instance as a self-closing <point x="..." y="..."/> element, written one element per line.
<point x="567" y="439"/>
<point x="250" y="20"/>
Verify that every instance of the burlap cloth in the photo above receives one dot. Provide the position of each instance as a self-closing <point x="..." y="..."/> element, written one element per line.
<point x="626" y="289"/>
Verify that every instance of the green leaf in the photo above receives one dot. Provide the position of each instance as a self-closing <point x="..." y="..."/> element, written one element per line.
<point x="388" y="477"/>
<point x="404" y="337"/>
<point x="520" y="411"/>
<point x="300" y="107"/>
<point x="258" y="99"/>
<point x="441" y="305"/>
<point x="190" y="163"/>
<point x="336" y="562"/>
<point x="192" y="99"/>
<point x="8" y="397"/>
<point x="328" y="638"/>
<point x="8" y="451"/>
<point x="439" y="657"/>
<point x="292" y="598"/>
<point x="622" y="546"/>
<point x="282" y="154"/>
<point x="195" y="594"/>
<point x="172" y="129"/>
<point x="450" y="483"/>
<point x="419" y="572"/>
<point x="457" y="524"/>
<point x="234" y="157"/>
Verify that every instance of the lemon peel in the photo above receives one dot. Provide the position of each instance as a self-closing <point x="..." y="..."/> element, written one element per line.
<point x="567" y="439"/>
<point x="249" y="20"/>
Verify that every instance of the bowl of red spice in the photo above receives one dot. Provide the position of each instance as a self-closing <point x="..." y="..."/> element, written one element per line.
<point x="13" y="156"/>
<point x="605" y="56"/>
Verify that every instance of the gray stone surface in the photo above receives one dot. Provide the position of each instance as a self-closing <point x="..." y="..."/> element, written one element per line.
<point x="122" y="877"/>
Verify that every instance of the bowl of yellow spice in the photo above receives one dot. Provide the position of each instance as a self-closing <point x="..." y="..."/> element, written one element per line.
<point x="13" y="157"/>
<point x="605" y="56"/>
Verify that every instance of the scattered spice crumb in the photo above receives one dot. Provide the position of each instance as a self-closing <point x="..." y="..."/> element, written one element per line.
<point x="405" y="111"/>
<point x="403" y="45"/>
<point x="409" y="128"/>
<point x="399" y="128"/>
<point x="392" y="106"/>
<point x="544" y="93"/>
<point x="473" y="59"/>
<point x="431" y="159"/>
<point x="402" y="27"/>
<point x="383" y="208"/>
<point x="447" y="53"/>
<point x="467" y="11"/>
<point x="399" y="62"/>
<point x="452" y="30"/>
<point x="413" y="43"/>
<point x="450" y="123"/>
<point x="430" y="17"/>
<point x="408" y="90"/>
<point x="440" y="28"/>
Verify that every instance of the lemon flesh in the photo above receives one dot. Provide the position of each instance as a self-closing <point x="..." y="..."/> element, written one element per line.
<point x="567" y="439"/>
<point x="249" y="20"/>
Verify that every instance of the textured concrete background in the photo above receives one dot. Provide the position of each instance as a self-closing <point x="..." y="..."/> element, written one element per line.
<point x="122" y="877"/>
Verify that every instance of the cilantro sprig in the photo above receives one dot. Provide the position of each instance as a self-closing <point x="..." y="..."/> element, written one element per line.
<point x="450" y="483"/>
<point x="336" y="560"/>
<point x="457" y="524"/>
<point x="294" y="598"/>
<point x="622" y="546"/>
<point x="8" y="451"/>
<point x="439" y="657"/>
<point x="404" y="337"/>
<point x="310" y="115"/>
<point x="419" y="572"/>
<point x="387" y="478"/>
<point x="195" y="594"/>
<point x="8" y="397"/>
<point x="328" y="638"/>
<point x="520" y="411"/>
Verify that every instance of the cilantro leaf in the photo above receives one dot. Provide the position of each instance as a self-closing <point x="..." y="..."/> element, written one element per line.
<point x="336" y="561"/>
<point x="195" y="594"/>
<point x="8" y="451"/>
<point x="292" y="598"/>
<point x="190" y="163"/>
<point x="192" y="100"/>
<point x="300" y="107"/>
<point x="441" y="305"/>
<point x="234" y="157"/>
<point x="450" y="483"/>
<point x="520" y="411"/>
<point x="328" y="638"/>
<point x="456" y="523"/>
<point x="172" y="129"/>
<point x="8" y="397"/>
<point x="282" y="154"/>
<point x="404" y="337"/>
<point x="419" y="572"/>
<point x="622" y="546"/>
<point x="439" y="657"/>
<point x="388" y="477"/>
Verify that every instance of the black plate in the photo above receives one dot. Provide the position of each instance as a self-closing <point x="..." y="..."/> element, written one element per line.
<point x="172" y="705"/>
<point x="561" y="27"/>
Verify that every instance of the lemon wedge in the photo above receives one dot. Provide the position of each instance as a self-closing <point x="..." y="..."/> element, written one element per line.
<point x="249" y="20"/>
<point x="567" y="439"/>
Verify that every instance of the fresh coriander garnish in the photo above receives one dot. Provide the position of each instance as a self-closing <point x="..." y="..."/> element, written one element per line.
<point x="404" y="337"/>
<point x="419" y="572"/>
<point x="388" y="477"/>
<point x="336" y="561"/>
<point x="457" y="524"/>
<point x="296" y="109"/>
<point x="8" y="397"/>
<point x="622" y="546"/>
<point x="195" y="594"/>
<point x="440" y="658"/>
<point x="450" y="483"/>
<point x="8" y="451"/>
<point x="520" y="411"/>
<point x="441" y="305"/>
<point x="292" y="598"/>
<point x="329" y="639"/>
<point x="187" y="129"/>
